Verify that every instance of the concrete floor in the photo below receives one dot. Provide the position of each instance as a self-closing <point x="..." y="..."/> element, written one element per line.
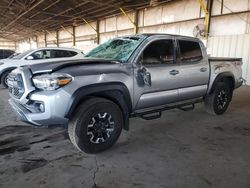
<point x="182" y="149"/>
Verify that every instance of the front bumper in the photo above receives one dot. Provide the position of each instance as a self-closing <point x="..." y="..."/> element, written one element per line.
<point x="55" y="107"/>
<point x="22" y="112"/>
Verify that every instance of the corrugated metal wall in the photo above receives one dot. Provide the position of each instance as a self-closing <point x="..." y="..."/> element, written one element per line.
<point x="232" y="46"/>
<point x="6" y="44"/>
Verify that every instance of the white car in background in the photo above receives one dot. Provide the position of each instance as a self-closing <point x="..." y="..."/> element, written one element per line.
<point x="40" y="55"/>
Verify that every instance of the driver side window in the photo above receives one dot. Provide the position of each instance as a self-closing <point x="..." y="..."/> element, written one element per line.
<point x="159" y="52"/>
<point x="42" y="54"/>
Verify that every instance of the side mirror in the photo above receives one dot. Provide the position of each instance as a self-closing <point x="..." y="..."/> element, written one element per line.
<point x="30" y="58"/>
<point x="147" y="79"/>
<point x="143" y="77"/>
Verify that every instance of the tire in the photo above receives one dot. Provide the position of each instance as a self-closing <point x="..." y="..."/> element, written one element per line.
<point x="96" y="125"/>
<point x="218" y="101"/>
<point x="4" y="79"/>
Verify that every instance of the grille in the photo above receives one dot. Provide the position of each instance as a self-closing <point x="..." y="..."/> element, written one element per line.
<point x="15" y="84"/>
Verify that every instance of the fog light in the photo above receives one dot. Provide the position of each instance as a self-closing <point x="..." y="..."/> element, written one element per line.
<point x="38" y="107"/>
<point x="41" y="107"/>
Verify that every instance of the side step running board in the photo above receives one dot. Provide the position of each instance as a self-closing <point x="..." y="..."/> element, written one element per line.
<point x="156" y="113"/>
<point x="187" y="108"/>
<point x="152" y="116"/>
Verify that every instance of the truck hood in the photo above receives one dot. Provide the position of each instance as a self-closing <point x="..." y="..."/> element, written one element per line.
<point x="54" y="66"/>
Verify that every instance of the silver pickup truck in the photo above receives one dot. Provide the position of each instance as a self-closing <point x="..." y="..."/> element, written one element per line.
<point x="133" y="76"/>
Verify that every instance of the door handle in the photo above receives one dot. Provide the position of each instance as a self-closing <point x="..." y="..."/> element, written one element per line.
<point x="203" y="69"/>
<point x="174" y="72"/>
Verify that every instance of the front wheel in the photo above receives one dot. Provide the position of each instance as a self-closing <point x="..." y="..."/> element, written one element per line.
<point x="218" y="101"/>
<point x="96" y="125"/>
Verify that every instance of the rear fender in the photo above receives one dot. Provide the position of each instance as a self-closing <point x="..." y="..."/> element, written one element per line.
<point x="223" y="77"/>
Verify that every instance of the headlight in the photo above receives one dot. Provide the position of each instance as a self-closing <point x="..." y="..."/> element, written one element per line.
<point x="49" y="82"/>
<point x="1" y="64"/>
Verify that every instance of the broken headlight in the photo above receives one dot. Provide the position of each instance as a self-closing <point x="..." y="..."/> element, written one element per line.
<point x="49" y="82"/>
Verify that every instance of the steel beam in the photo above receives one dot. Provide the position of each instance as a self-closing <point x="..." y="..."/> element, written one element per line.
<point x="134" y="22"/>
<point x="55" y="37"/>
<point x="67" y="30"/>
<point x="205" y="10"/>
<point x="22" y="14"/>
<point x="95" y="29"/>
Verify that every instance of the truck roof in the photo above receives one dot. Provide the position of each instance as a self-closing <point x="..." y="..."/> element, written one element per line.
<point x="163" y="34"/>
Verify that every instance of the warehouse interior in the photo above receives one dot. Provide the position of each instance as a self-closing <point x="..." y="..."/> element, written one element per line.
<point x="179" y="150"/>
<point x="84" y="25"/>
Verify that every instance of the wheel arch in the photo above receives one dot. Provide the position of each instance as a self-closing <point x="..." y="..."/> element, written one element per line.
<point x="224" y="77"/>
<point x="9" y="69"/>
<point x="116" y="92"/>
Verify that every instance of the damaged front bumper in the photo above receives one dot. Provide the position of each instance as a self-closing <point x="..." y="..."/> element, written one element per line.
<point x="42" y="110"/>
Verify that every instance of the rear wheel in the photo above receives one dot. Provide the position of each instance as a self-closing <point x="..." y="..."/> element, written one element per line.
<point x="96" y="125"/>
<point x="218" y="101"/>
<point x="4" y="79"/>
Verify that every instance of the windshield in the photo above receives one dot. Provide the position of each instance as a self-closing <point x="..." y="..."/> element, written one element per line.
<point x="119" y="49"/>
<point x="13" y="55"/>
<point x="20" y="56"/>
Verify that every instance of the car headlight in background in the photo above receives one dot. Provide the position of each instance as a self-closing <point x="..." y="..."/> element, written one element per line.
<point x="49" y="82"/>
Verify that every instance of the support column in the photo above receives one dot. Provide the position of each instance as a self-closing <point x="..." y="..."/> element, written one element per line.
<point x="210" y="7"/>
<point x="15" y="46"/>
<point x="45" y="39"/>
<point x="36" y="41"/>
<point x="207" y="16"/>
<point x="74" y="36"/>
<point x="30" y="42"/>
<point x="98" y="31"/>
<point x="222" y="7"/>
<point x="57" y="38"/>
<point x="136" y="17"/>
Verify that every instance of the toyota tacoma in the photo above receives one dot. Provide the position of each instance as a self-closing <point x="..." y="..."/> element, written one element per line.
<point x="132" y="76"/>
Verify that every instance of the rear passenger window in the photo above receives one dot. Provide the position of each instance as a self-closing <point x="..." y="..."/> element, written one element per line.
<point x="64" y="53"/>
<point x="72" y="53"/>
<point x="190" y="51"/>
<point x="159" y="52"/>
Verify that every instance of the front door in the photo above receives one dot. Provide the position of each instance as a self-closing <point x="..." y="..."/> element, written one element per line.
<point x="39" y="56"/>
<point x="155" y="82"/>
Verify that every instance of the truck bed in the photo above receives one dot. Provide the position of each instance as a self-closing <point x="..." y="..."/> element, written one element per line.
<point x="224" y="59"/>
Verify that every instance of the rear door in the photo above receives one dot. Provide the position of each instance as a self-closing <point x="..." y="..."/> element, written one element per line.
<point x="158" y="60"/>
<point x="193" y="69"/>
